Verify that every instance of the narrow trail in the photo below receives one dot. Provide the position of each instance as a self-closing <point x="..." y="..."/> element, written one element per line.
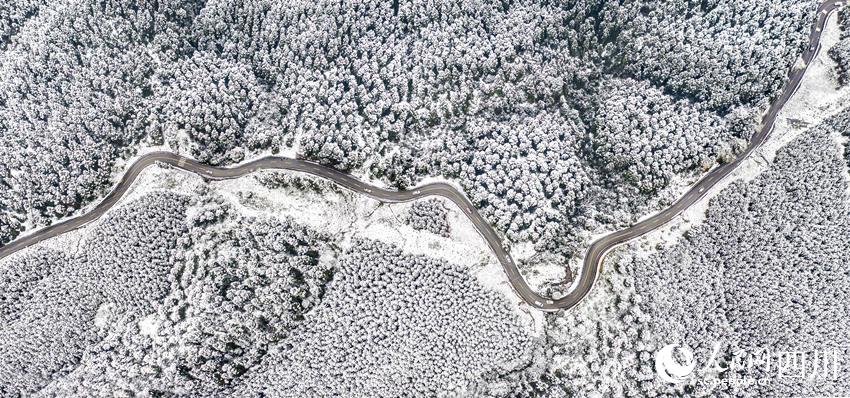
<point x="593" y="258"/>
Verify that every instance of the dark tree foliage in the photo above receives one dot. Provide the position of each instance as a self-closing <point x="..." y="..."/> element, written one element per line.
<point x="429" y="215"/>
<point x="841" y="51"/>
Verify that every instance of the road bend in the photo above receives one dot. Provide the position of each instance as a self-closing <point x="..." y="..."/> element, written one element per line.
<point x="594" y="256"/>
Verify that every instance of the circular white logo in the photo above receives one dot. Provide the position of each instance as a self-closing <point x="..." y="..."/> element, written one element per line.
<point x="669" y="368"/>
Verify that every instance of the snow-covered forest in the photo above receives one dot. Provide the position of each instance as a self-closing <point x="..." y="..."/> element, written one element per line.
<point x="183" y="292"/>
<point x="558" y="119"/>
<point x="531" y="106"/>
<point x="841" y="52"/>
<point x="54" y="303"/>
<point x="407" y="326"/>
<point x="766" y="270"/>
<point x="429" y="215"/>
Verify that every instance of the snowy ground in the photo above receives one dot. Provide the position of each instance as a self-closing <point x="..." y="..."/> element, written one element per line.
<point x="347" y="215"/>
<point x="542" y="271"/>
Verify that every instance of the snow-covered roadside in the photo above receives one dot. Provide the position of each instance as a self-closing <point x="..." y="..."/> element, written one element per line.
<point x="332" y="211"/>
<point x="118" y="170"/>
<point x="818" y="98"/>
<point x="465" y="247"/>
<point x="347" y="215"/>
<point x="340" y="213"/>
<point x="149" y="180"/>
<point x="542" y="275"/>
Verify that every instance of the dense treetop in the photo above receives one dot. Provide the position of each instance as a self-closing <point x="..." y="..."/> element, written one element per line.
<point x="401" y="90"/>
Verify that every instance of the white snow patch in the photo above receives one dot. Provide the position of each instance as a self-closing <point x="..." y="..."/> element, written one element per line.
<point x="329" y="212"/>
<point x="548" y="273"/>
<point x="104" y="312"/>
<point x="438" y="179"/>
<point x="158" y="178"/>
<point x="149" y="325"/>
<point x="465" y="247"/>
<point x="288" y="152"/>
<point x="522" y="251"/>
<point x="364" y="175"/>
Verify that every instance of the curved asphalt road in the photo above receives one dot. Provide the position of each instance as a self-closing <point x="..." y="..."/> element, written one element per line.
<point x="592" y="261"/>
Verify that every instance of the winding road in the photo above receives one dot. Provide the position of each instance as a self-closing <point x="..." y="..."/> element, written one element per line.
<point x="593" y="258"/>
